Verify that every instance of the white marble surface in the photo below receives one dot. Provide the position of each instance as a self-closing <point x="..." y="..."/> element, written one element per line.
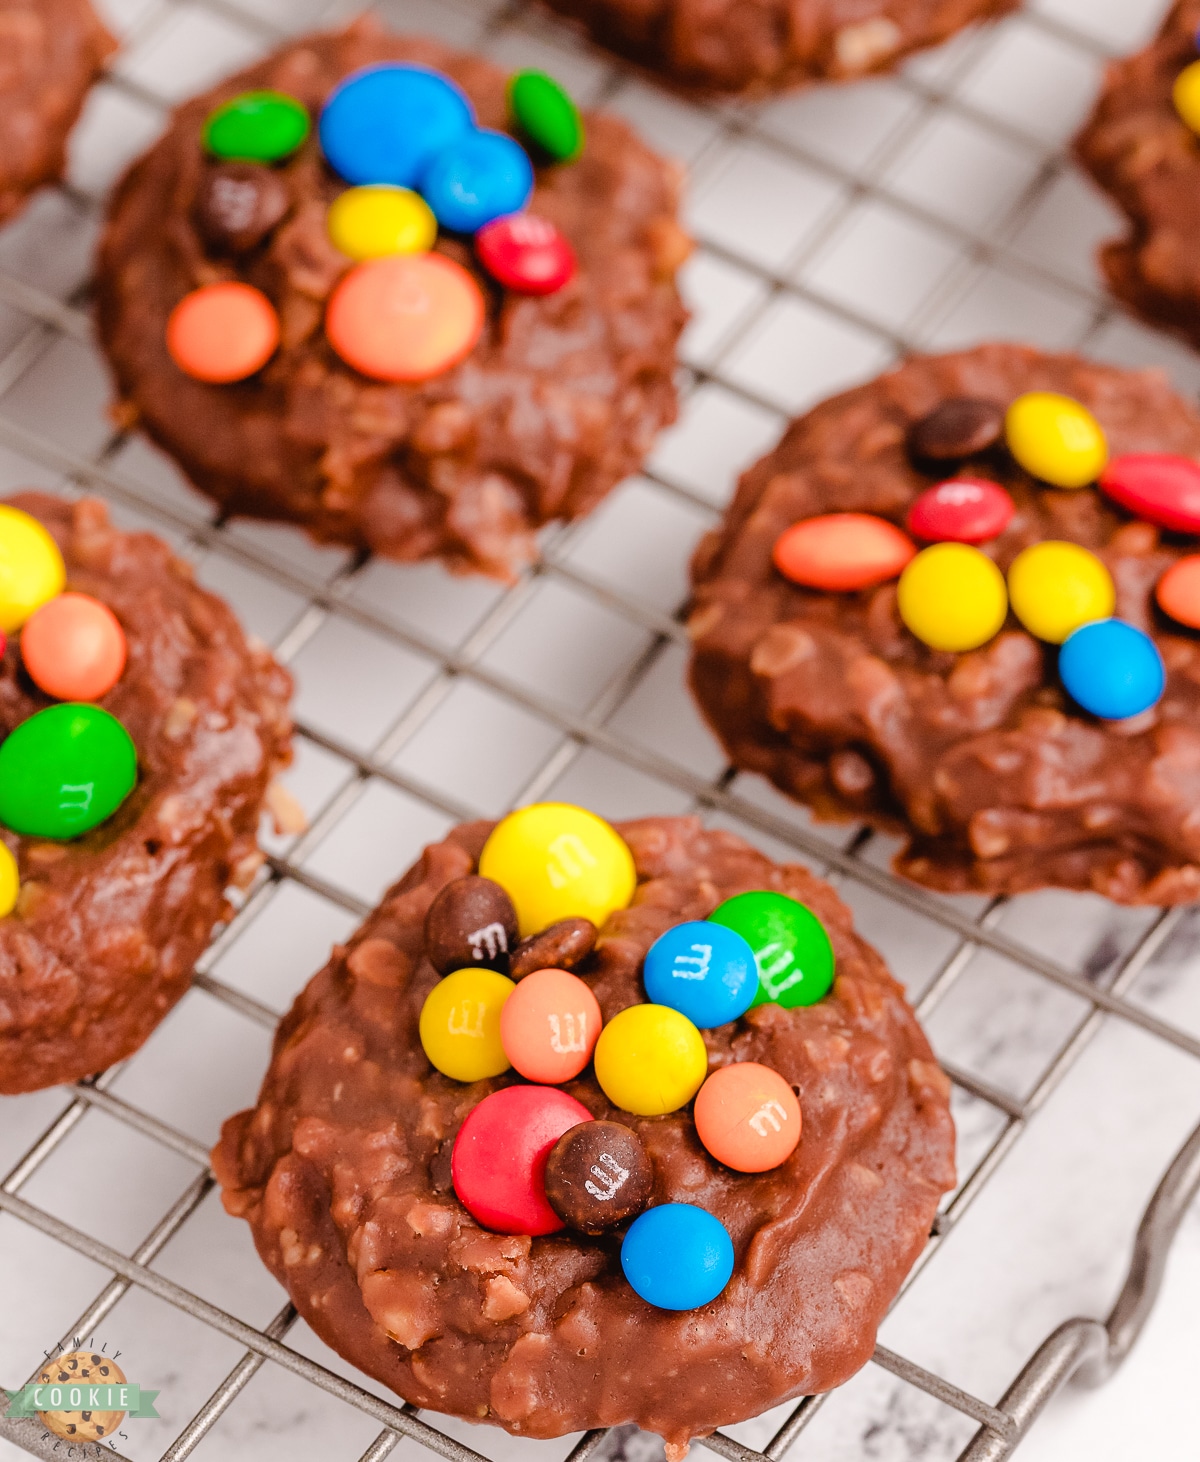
<point x="935" y="209"/>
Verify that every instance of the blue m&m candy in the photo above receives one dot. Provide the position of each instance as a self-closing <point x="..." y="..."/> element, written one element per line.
<point x="1112" y="669"/>
<point x="703" y="970"/>
<point x="477" y="177"/>
<point x="677" y="1256"/>
<point x="385" y="124"/>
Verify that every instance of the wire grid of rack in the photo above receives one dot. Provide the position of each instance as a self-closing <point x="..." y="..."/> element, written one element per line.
<point x="836" y="229"/>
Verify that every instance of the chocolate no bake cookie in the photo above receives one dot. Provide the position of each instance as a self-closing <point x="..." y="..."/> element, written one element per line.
<point x="766" y="45"/>
<point x="1140" y="150"/>
<point x="999" y="780"/>
<point x="50" y="53"/>
<point x="560" y="398"/>
<point x="344" y="1172"/>
<point x="107" y="926"/>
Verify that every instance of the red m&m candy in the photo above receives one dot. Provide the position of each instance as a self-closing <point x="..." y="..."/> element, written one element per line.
<point x="842" y="551"/>
<point x="1156" y="486"/>
<point x="74" y="648"/>
<point x="550" y="1025"/>
<point x="499" y="1161"/>
<point x="964" y="510"/>
<point x="525" y="253"/>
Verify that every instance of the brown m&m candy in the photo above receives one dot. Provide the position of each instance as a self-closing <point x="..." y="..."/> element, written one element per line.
<point x="238" y="205"/>
<point x="958" y="428"/>
<point x="598" y="1175"/>
<point x="470" y="924"/>
<point x="560" y="947"/>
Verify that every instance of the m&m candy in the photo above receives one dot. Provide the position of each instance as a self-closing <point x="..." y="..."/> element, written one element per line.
<point x="460" y="1024"/>
<point x="791" y="948"/>
<point x="650" y="1060"/>
<point x="677" y="1256"/>
<point x="470" y="922"/>
<point x="1186" y="95"/>
<point x="842" y="551"/>
<point x="1156" y="486"/>
<point x="964" y="510"/>
<point x="377" y="219"/>
<point x="407" y="317"/>
<point x="222" y="332"/>
<point x="498" y="1166"/>
<point x="704" y="970"/>
<point x="952" y="597"/>
<point x="1178" y="591"/>
<point x="31" y="567"/>
<point x="65" y="770"/>
<point x="10" y="881"/>
<point x="258" y="126"/>
<point x="558" y="862"/>
<point x="748" y="1117"/>
<point x="546" y="114"/>
<point x="238" y="204"/>
<point x="74" y="648"/>
<point x="597" y="1175"/>
<point x="475" y="178"/>
<point x="525" y="253"/>
<point x="1055" y="587"/>
<point x="1055" y="438"/>
<point x="1112" y="669"/>
<point x="385" y="124"/>
<point x="550" y="1025"/>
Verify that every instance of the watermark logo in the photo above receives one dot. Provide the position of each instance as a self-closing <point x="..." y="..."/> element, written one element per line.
<point x="82" y="1396"/>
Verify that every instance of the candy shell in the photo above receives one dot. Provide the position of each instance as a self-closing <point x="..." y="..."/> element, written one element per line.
<point x="1178" y="591"/>
<point x="598" y="1175"/>
<point x="1186" y="95"/>
<point x="1056" y="439"/>
<point x="257" y="126"/>
<point x="64" y="771"/>
<point x="223" y="332"/>
<point x="650" y="1060"/>
<point x="677" y="1256"/>
<point x="952" y="597"/>
<point x="748" y="1117"/>
<point x="546" y="114"/>
<point x="408" y="317"/>
<point x="377" y="219"/>
<point x="842" y="551"/>
<point x="31" y="567"/>
<point x="964" y="510"/>
<point x="526" y="253"/>
<point x="498" y="1165"/>
<point x="1156" y="486"/>
<point x="791" y="948"/>
<point x="1055" y="587"/>
<point x="386" y="123"/>
<point x="1112" y="669"/>
<point x="10" y="881"/>
<point x="74" y="648"/>
<point x="475" y="178"/>
<point x="704" y="970"/>
<point x="460" y="1024"/>
<point x="550" y="1025"/>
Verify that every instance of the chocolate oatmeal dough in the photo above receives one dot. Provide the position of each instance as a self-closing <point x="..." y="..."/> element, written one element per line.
<point x="561" y="398"/>
<point x="108" y="926"/>
<point x="999" y="780"/>
<point x="753" y="46"/>
<point x="50" y="53"/>
<point x="1147" y="159"/>
<point x="343" y="1171"/>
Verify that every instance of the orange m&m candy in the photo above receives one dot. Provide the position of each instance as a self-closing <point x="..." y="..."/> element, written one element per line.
<point x="550" y="1025"/>
<point x="748" y="1117"/>
<point x="222" y="332"/>
<point x="1178" y="591"/>
<point x="406" y="317"/>
<point x="842" y="551"/>
<point x="74" y="648"/>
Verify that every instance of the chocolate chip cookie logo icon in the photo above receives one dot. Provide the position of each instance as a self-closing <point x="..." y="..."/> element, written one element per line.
<point x="83" y="1396"/>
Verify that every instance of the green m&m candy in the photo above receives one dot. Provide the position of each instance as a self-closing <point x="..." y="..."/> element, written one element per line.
<point x="64" y="771"/>
<point x="791" y="947"/>
<point x="257" y="126"/>
<point x="546" y="114"/>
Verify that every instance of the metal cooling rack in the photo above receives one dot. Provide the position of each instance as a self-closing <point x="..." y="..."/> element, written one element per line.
<point x="876" y="235"/>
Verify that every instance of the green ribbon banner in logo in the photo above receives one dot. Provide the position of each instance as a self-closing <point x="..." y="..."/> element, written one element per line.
<point x="33" y="1398"/>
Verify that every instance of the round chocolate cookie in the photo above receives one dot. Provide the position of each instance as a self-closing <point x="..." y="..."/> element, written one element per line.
<point x="1000" y="779"/>
<point x="50" y="53"/>
<point x="107" y="925"/>
<point x="1142" y="152"/>
<point x="560" y="397"/>
<point x="767" y="45"/>
<point x="345" y="1173"/>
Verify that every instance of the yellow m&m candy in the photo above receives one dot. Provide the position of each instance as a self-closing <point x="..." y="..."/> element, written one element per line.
<point x="557" y="862"/>
<point x="1057" y="587"/>
<point x="650" y="1059"/>
<point x="10" y="881"/>
<point x="952" y="597"/>
<point x="460" y="1024"/>
<point x="31" y="567"/>
<point x="1186" y="95"/>
<point x="1055" y="438"/>
<point x="378" y="219"/>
